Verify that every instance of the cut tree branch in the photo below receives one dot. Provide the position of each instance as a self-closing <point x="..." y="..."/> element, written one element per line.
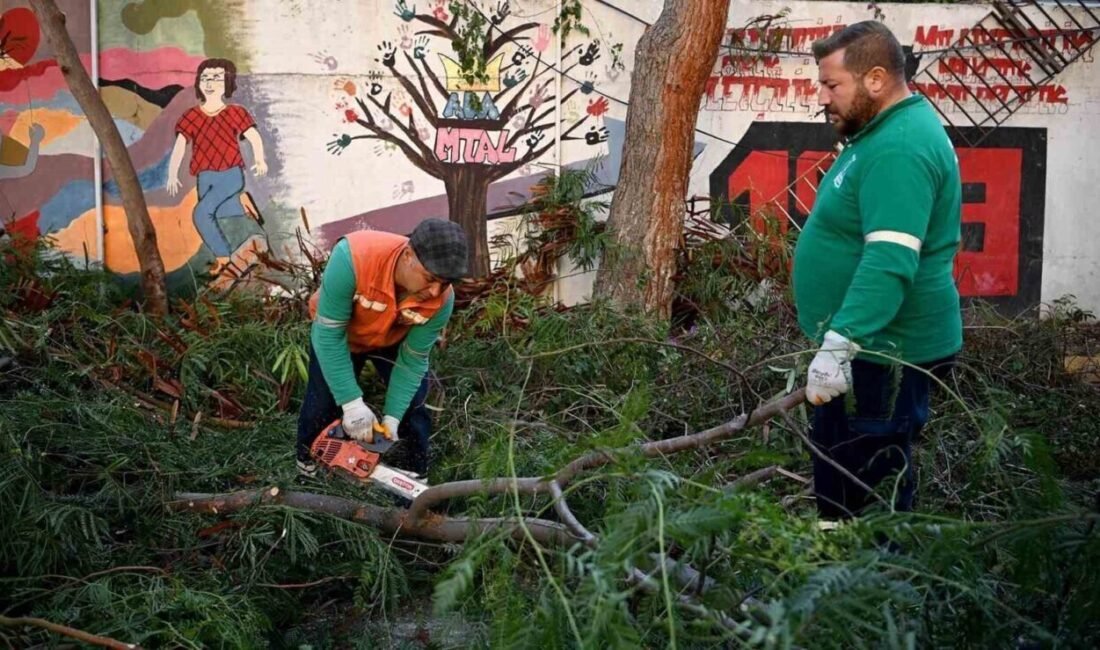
<point x="64" y="630"/>
<point x="692" y="441"/>
<point x="562" y="508"/>
<point x="388" y="520"/>
<point x="418" y="522"/>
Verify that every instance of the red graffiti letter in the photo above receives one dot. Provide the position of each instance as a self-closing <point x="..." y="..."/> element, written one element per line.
<point x="763" y="175"/>
<point x="993" y="271"/>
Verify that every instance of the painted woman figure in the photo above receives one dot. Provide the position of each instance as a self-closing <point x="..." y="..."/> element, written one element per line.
<point x="214" y="129"/>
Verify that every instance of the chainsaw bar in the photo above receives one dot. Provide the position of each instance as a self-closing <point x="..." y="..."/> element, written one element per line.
<point x="360" y="461"/>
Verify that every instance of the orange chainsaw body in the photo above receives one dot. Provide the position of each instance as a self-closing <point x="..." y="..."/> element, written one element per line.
<point x="343" y="453"/>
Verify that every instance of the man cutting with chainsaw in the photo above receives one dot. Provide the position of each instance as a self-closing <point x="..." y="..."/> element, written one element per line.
<point x="873" y="272"/>
<point x="383" y="297"/>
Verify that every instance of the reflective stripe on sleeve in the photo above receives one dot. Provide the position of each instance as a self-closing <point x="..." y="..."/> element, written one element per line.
<point x="894" y="237"/>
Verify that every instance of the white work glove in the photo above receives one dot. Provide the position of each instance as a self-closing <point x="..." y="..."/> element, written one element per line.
<point x="359" y="420"/>
<point x="830" y="372"/>
<point x="391" y="423"/>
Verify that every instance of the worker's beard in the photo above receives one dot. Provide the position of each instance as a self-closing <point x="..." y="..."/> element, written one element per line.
<point x="851" y="121"/>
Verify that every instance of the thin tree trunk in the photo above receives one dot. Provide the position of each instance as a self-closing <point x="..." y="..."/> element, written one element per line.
<point x="467" y="190"/>
<point x="52" y="23"/>
<point x="674" y="58"/>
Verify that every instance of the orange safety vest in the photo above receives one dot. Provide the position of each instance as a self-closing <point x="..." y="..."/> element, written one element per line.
<point x="377" y="320"/>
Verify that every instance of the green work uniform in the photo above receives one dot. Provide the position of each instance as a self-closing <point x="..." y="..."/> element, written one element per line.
<point x="875" y="261"/>
<point x="331" y="344"/>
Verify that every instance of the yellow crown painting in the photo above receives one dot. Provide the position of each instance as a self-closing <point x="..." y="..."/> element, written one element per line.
<point x="456" y="82"/>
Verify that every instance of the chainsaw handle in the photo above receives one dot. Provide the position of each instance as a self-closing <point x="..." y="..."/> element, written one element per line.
<point x="335" y="430"/>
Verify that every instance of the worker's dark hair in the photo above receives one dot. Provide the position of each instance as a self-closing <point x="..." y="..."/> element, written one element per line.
<point x="230" y="76"/>
<point x="866" y="44"/>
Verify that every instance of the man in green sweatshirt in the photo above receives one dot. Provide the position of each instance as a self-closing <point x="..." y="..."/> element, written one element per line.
<point x="383" y="297"/>
<point x="873" y="272"/>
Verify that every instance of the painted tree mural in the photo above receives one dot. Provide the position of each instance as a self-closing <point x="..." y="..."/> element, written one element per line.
<point x="479" y="117"/>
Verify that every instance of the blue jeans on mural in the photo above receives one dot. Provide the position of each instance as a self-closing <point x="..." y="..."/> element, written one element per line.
<point x="219" y="194"/>
<point x="319" y="409"/>
<point x="873" y="438"/>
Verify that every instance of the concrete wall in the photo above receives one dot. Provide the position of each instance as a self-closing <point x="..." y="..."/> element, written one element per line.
<point x="304" y="68"/>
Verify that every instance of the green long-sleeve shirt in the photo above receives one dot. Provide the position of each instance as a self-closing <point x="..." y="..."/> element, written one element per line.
<point x="329" y="337"/>
<point x="875" y="260"/>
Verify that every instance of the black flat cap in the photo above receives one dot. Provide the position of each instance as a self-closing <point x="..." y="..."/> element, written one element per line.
<point x="440" y="245"/>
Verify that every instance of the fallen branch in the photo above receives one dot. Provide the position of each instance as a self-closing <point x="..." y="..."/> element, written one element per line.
<point x="306" y="585"/>
<point x="388" y="520"/>
<point x="418" y="522"/>
<point x="525" y="485"/>
<point x="64" y="630"/>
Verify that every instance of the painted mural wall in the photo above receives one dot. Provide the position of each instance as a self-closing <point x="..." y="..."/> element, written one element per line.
<point x="252" y="120"/>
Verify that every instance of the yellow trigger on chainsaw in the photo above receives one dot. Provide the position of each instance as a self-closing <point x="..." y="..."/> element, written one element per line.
<point x="381" y="428"/>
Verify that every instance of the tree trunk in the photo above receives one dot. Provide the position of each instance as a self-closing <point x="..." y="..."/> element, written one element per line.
<point x="52" y="23"/>
<point x="467" y="190"/>
<point x="674" y="58"/>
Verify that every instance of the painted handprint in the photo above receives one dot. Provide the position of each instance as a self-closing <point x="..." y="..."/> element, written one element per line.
<point x="440" y="11"/>
<point x="337" y="146"/>
<point x="346" y="85"/>
<point x="535" y="138"/>
<point x="589" y="84"/>
<point x="542" y="38"/>
<point x="501" y="13"/>
<point x="596" y="135"/>
<point x="325" y="59"/>
<point x="389" y="54"/>
<point x="406" y="37"/>
<point x="538" y="98"/>
<point x="597" y="107"/>
<point x="591" y="54"/>
<point x="511" y="79"/>
<point x="420" y="50"/>
<point x="404" y="12"/>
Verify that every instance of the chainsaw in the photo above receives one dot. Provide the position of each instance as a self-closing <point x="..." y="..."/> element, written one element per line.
<point x="361" y="461"/>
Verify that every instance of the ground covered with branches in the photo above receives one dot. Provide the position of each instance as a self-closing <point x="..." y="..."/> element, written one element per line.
<point x="107" y="415"/>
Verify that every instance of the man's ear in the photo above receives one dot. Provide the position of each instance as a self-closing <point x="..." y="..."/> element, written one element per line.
<point x="876" y="80"/>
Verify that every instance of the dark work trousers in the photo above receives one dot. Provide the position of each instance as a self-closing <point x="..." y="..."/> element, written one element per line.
<point x="870" y="431"/>
<point x="319" y="409"/>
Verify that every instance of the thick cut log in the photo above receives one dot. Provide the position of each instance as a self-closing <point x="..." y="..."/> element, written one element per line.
<point x="388" y="520"/>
